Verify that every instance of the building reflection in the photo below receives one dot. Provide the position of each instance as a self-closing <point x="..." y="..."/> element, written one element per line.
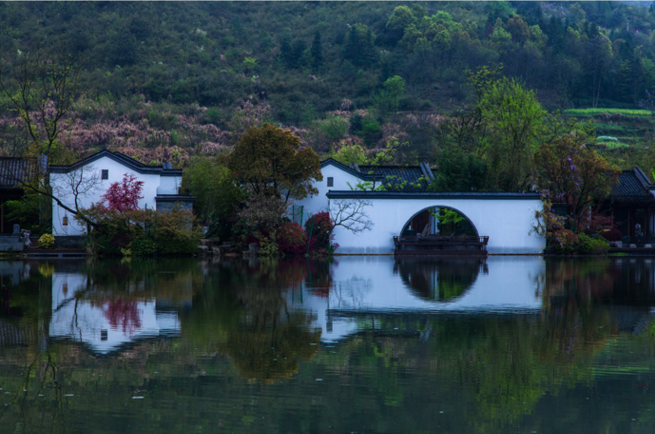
<point x="107" y="317"/>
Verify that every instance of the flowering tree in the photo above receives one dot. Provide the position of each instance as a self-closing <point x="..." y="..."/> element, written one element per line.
<point x="575" y="177"/>
<point x="124" y="195"/>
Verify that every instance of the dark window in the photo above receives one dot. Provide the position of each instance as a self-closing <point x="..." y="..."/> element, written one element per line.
<point x="103" y="335"/>
<point x="330" y="181"/>
<point x="105" y="174"/>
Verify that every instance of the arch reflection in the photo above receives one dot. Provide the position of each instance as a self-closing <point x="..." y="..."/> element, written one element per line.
<point x="439" y="279"/>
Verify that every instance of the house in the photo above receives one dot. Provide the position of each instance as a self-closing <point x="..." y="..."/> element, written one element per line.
<point x="82" y="184"/>
<point x="15" y="173"/>
<point x="632" y="204"/>
<point x="339" y="177"/>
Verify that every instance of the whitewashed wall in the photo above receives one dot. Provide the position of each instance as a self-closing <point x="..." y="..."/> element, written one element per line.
<point x="318" y="202"/>
<point x="508" y="223"/>
<point x="153" y="184"/>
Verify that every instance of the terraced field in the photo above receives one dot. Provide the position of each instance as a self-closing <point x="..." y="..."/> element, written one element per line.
<point x="616" y="128"/>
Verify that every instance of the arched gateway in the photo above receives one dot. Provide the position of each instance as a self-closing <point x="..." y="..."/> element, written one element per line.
<point x="506" y="218"/>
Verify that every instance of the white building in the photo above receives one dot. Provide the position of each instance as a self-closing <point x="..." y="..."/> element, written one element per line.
<point x="87" y="180"/>
<point x="508" y="219"/>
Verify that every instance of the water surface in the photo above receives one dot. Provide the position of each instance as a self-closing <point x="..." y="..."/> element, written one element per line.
<point x="358" y="344"/>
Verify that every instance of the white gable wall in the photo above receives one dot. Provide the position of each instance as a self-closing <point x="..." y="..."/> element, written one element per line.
<point x="169" y="185"/>
<point x="319" y="202"/>
<point x="60" y="183"/>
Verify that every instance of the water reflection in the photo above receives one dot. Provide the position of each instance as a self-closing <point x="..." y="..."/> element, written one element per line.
<point x="365" y="344"/>
<point x="439" y="279"/>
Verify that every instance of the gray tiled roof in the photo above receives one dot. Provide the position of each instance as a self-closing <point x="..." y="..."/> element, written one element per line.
<point x="413" y="177"/>
<point x="15" y="171"/>
<point x="633" y="185"/>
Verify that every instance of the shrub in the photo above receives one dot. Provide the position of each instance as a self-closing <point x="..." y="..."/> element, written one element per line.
<point x="143" y="247"/>
<point x="319" y="228"/>
<point x="47" y="241"/>
<point x="291" y="239"/>
<point x="176" y="233"/>
<point x="611" y="234"/>
<point x="170" y="232"/>
<point x="587" y="245"/>
<point x="563" y="242"/>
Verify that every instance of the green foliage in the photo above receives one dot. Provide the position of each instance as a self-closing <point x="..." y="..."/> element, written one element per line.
<point x="583" y="62"/>
<point x="458" y="171"/>
<point x="349" y="154"/>
<point x="388" y="99"/>
<point x="592" y="246"/>
<point x="250" y="64"/>
<point x="371" y="131"/>
<point x="46" y="241"/>
<point x="359" y="46"/>
<point x="449" y="216"/>
<point x="217" y="194"/>
<point x="266" y="159"/>
<point x="334" y="127"/>
<point x="175" y="233"/>
<point x="171" y="232"/>
<point x="143" y="247"/>
<point x="515" y="123"/>
<point x="592" y="112"/>
<point x="317" y="52"/>
<point x="27" y="211"/>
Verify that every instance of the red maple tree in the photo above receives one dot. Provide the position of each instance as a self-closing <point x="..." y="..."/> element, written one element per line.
<point x="124" y="195"/>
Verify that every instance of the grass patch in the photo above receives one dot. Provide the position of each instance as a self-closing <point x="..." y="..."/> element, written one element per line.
<point x="614" y="145"/>
<point x="590" y="112"/>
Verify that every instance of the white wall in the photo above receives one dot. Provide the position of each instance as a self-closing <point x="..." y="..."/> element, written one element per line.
<point x="169" y="185"/>
<point x="61" y="185"/>
<point x="508" y="223"/>
<point x="318" y="202"/>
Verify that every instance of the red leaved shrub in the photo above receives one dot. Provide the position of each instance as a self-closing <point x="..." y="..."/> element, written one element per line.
<point x="612" y="235"/>
<point x="319" y="227"/>
<point x="291" y="239"/>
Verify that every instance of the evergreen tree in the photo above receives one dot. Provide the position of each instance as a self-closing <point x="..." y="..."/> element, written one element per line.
<point x="317" y="52"/>
<point x="286" y="50"/>
<point x="299" y="48"/>
<point x="359" y="47"/>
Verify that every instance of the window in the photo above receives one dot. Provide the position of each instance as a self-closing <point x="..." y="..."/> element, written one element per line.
<point x="330" y="181"/>
<point x="105" y="174"/>
<point x="65" y="221"/>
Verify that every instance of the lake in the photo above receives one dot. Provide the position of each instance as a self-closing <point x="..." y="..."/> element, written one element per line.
<point x="353" y="345"/>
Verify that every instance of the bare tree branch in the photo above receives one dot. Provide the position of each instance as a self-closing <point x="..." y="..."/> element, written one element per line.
<point x="41" y="87"/>
<point x="350" y="214"/>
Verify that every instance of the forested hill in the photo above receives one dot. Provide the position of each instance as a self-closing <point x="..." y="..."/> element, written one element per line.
<point x="185" y="69"/>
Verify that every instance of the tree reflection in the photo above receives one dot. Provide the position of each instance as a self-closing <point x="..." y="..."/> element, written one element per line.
<point x="439" y="279"/>
<point x="123" y="314"/>
<point x="265" y="338"/>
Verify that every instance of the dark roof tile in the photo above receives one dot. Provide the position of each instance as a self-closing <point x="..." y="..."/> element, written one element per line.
<point x="17" y="171"/>
<point x="407" y="179"/>
<point x="633" y="185"/>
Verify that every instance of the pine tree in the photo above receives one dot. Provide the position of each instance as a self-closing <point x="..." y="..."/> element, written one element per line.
<point x="317" y="52"/>
<point x="286" y="51"/>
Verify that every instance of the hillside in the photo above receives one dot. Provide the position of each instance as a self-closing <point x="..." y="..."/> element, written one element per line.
<point x="171" y="80"/>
